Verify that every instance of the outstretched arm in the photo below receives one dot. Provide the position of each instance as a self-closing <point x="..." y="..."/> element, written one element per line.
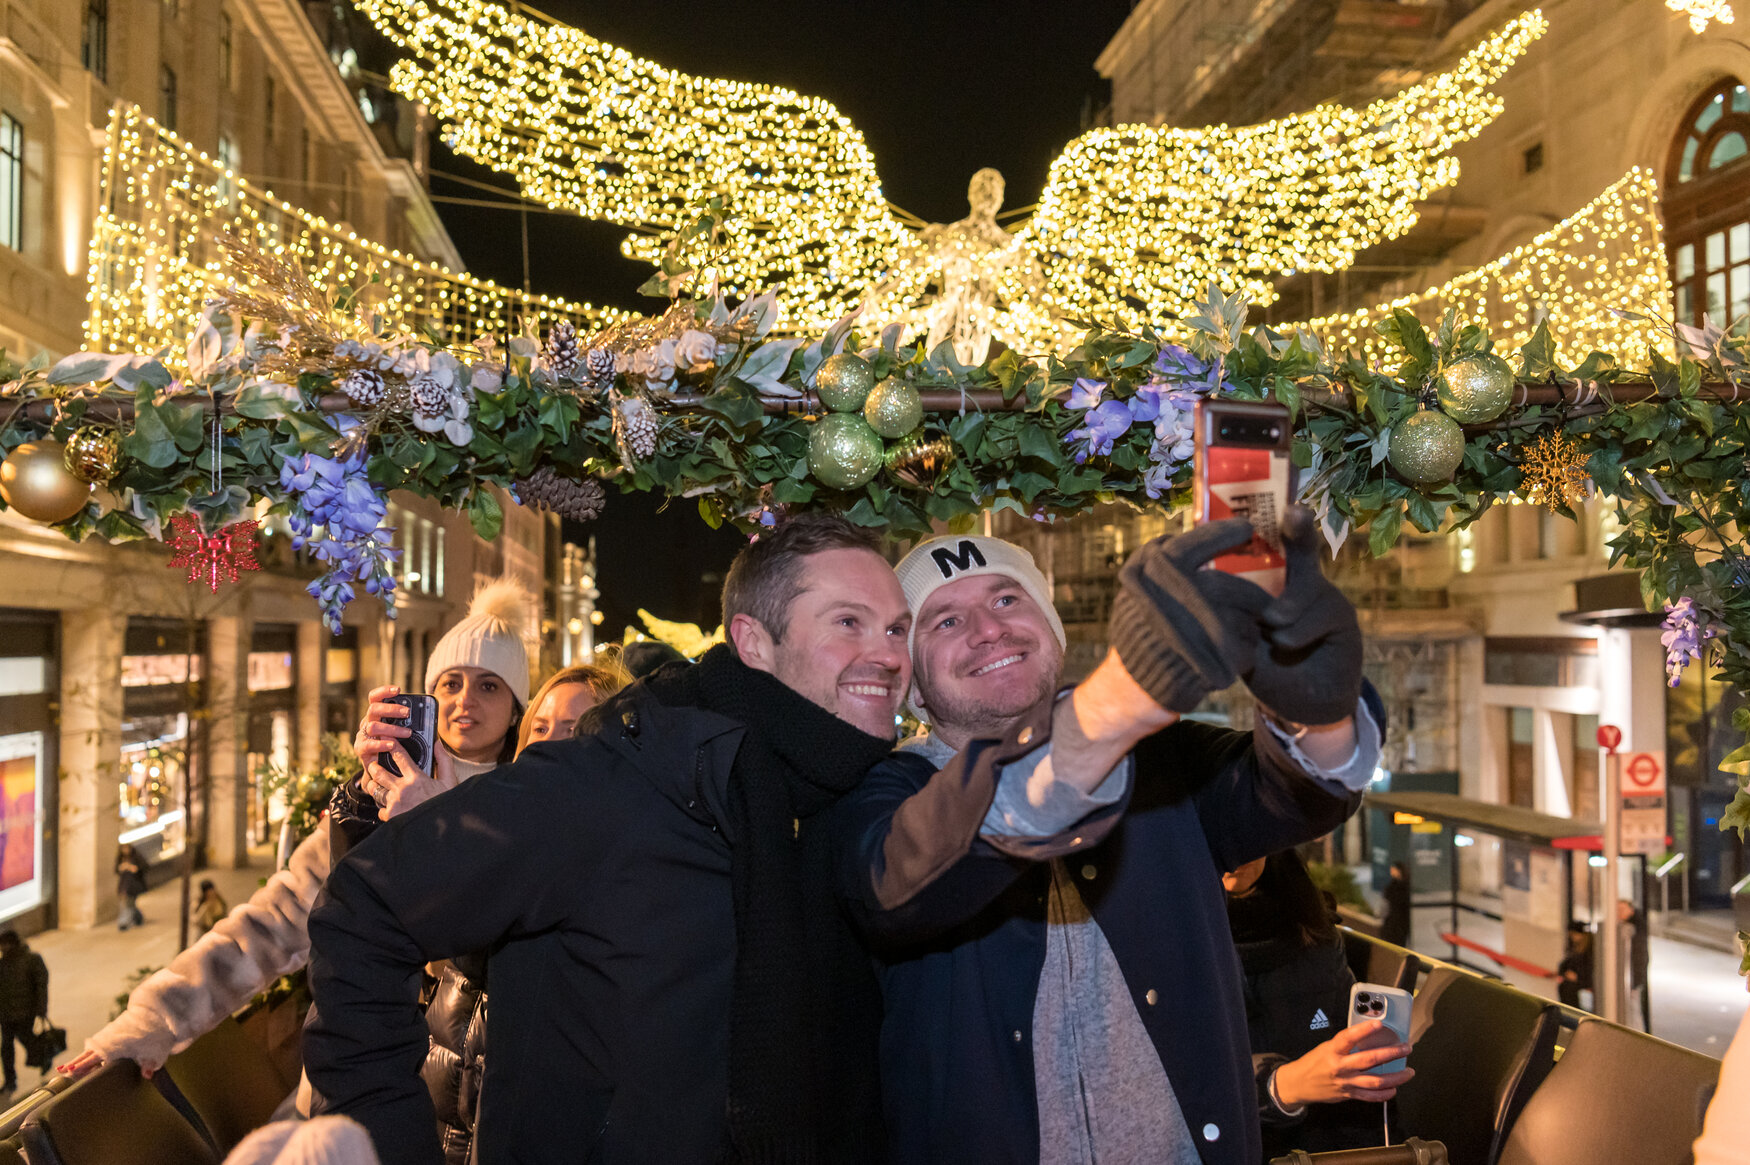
<point x="237" y="959"/>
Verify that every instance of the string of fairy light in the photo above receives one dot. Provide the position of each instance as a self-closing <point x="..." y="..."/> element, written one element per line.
<point x="155" y="259"/>
<point x="1144" y="216"/>
<point x="1609" y="254"/>
<point x="1700" y="12"/>
<point x="1133" y="223"/>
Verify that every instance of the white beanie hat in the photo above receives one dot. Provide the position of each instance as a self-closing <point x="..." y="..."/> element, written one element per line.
<point x="940" y="561"/>
<point x="490" y="637"/>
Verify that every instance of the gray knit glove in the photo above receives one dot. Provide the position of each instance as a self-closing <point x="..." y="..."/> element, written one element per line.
<point x="1308" y="663"/>
<point x="1182" y="631"/>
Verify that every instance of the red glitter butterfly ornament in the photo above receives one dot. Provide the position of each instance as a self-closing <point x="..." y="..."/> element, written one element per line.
<point x="212" y="558"/>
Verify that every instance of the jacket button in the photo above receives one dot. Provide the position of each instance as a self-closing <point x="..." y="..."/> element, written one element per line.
<point x="1024" y="736"/>
<point x="1088" y="872"/>
<point x="1152" y="996"/>
<point x="1211" y="1133"/>
<point x="1017" y="1035"/>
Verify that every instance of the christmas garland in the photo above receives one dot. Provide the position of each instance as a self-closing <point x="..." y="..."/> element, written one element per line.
<point x="294" y="397"/>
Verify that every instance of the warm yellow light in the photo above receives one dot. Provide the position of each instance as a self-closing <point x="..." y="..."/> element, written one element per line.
<point x="1609" y="254"/>
<point x="1702" y="11"/>
<point x="1133" y="224"/>
<point x="154" y="260"/>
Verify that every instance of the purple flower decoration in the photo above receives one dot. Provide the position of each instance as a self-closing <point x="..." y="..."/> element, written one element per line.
<point x="1180" y="366"/>
<point x="1685" y="631"/>
<point x="1145" y="406"/>
<point x="337" y="518"/>
<point x="1085" y="393"/>
<point x="1104" y="425"/>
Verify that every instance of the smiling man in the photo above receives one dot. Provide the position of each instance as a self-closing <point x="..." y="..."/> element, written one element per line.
<point x="671" y="979"/>
<point x="1059" y="982"/>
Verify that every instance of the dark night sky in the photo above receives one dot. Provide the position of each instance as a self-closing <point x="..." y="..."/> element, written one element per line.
<point x="939" y="89"/>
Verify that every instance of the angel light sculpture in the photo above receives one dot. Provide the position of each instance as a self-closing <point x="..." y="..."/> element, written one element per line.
<point x="1133" y="223"/>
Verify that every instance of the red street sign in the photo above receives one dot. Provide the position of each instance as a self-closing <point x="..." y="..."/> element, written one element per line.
<point x="1609" y="737"/>
<point x="1643" y="773"/>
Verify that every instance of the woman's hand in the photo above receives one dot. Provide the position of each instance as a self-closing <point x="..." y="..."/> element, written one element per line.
<point x="397" y="794"/>
<point x="381" y="727"/>
<point x="85" y="1063"/>
<point x="1341" y="1068"/>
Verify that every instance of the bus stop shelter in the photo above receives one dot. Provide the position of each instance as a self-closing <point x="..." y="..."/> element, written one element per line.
<point x="1565" y="835"/>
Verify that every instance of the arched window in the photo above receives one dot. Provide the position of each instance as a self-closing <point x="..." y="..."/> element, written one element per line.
<point x="1707" y="206"/>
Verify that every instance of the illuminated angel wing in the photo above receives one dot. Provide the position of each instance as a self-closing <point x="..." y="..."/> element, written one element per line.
<point x="1135" y="220"/>
<point x="585" y="126"/>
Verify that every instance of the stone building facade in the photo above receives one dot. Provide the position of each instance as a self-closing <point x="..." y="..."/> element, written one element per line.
<point x="117" y="677"/>
<point x="1519" y="619"/>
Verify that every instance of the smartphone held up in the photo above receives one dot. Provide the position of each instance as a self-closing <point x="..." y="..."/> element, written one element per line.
<point x="422" y="714"/>
<point x="1243" y="469"/>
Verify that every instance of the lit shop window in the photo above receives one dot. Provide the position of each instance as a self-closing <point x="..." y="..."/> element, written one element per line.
<point x="1707" y="207"/>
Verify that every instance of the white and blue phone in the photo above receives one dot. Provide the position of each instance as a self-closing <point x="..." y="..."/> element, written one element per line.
<point x="1389" y="1004"/>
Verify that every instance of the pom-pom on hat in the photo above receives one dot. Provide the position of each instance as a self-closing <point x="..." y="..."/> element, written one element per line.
<point x="491" y="636"/>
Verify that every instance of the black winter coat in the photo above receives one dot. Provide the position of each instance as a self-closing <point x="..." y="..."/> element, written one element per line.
<point x="456" y="1061"/>
<point x="596" y="871"/>
<point x="1297" y="997"/>
<point x="24" y="986"/>
<point x="961" y="929"/>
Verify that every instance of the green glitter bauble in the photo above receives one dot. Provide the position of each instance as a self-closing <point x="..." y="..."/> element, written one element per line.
<point x="1476" y="389"/>
<point x="843" y="451"/>
<point x="1426" y="447"/>
<point x="894" y="408"/>
<point x="844" y="381"/>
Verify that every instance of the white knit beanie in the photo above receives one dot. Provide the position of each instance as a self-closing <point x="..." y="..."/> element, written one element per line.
<point x="940" y="561"/>
<point x="491" y="637"/>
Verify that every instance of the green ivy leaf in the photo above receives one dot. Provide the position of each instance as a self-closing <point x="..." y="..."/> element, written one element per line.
<point x="1382" y="535"/>
<point x="485" y="514"/>
<point x="1538" y="353"/>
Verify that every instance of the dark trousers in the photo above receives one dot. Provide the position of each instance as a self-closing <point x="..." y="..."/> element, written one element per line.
<point x="11" y="1031"/>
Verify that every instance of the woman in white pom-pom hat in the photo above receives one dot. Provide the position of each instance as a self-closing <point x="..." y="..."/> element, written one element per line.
<point x="479" y="672"/>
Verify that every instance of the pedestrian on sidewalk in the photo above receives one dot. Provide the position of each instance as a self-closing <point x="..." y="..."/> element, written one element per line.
<point x="130" y="883"/>
<point x="212" y="906"/>
<point x="1634" y="959"/>
<point x="24" y="995"/>
<point x="1575" y="970"/>
<point x="1394" y="924"/>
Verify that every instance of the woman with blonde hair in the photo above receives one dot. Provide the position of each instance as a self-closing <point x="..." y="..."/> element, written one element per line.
<point x="555" y="708"/>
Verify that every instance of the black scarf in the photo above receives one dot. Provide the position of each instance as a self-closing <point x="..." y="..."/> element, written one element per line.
<point x="805" y="1006"/>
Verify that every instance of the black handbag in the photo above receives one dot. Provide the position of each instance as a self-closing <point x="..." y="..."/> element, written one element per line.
<point x="1411" y="1152"/>
<point x="43" y="1043"/>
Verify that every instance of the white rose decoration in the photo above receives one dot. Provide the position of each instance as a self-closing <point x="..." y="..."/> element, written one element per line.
<point x="694" y="348"/>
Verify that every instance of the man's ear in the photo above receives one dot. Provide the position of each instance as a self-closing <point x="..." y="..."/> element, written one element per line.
<point x="754" y="645"/>
<point x="916" y="699"/>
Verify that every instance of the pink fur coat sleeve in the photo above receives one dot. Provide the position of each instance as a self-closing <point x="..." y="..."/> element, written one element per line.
<point x="264" y="938"/>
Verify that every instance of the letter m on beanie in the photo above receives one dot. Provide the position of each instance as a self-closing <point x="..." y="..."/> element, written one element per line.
<point x="960" y="558"/>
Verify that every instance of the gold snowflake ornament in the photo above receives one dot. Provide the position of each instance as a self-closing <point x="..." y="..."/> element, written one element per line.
<point x="1555" y="472"/>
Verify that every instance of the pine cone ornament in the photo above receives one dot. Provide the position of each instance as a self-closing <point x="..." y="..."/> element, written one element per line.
<point x="364" y="387"/>
<point x="562" y="352"/>
<point x="427" y="396"/>
<point x="635" y="427"/>
<point x="599" y="369"/>
<point x="545" y="489"/>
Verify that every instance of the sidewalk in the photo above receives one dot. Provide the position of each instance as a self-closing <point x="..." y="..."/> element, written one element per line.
<point x="88" y="968"/>
<point x="1698" y="997"/>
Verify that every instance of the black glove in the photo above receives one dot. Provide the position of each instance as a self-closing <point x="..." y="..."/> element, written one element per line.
<point x="1308" y="663"/>
<point x="1181" y="631"/>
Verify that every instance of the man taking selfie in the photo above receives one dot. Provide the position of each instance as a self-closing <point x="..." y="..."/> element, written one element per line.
<point x="1058" y="977"/>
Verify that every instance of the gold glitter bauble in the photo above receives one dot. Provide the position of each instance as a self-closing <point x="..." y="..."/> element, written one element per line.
<point x="843" y="451"/>
<point x="93" y="455"/>
<point x="1426" y="447"/>
<point x="894" y="408"/>
<point x="844" y="381"/>
<point x="920" y="460"/>
<point x="1476" y="389"/>
<point x="34" y="481"/>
